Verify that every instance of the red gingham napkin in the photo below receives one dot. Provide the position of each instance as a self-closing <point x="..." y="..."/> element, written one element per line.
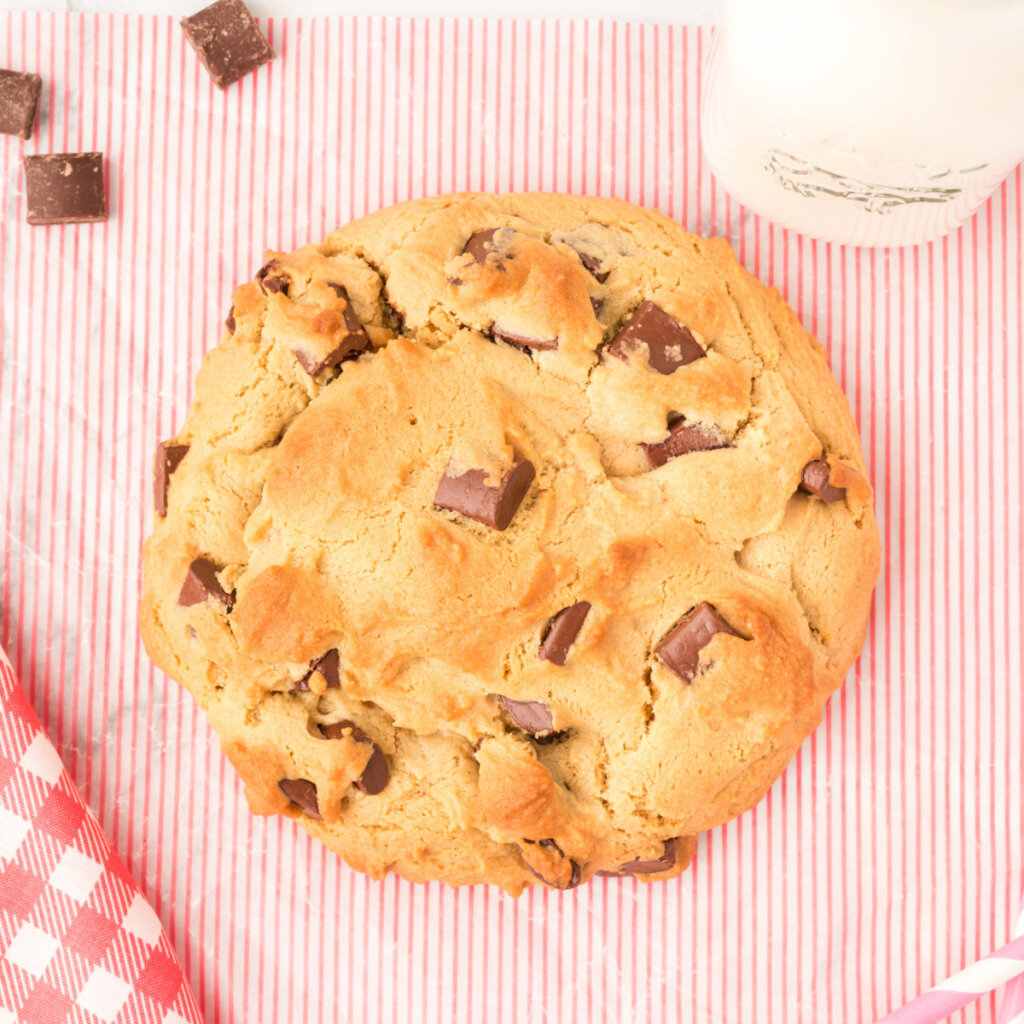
<point x="78" y="941"/>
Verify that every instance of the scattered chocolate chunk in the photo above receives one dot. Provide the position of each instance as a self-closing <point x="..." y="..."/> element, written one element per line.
<point x="545" y="860"/>
<point x="530" y="715"/>
<point x="230" y="322"/>
<point x="328" y="666"/>
<point x="19" y="102"/>
<point x="669" y="344"/>
<point x="480" y="244"/>
<point x="168" y="458"/>
<point x="596" y="305"/>
<point x="593" y="264"/>
<point x="647" y="867"/>
<point x="302" y="793"/>
<point x="228" y="41"/>
<point x="376" y="774"/>
<point x="271" y="282"/>
<point x="815" y="481"/>
<point x="561" y="631"/>
<point x="65" y="188"/>
<point x="680" y="649"/>
<point x="469" y="495"/>
<point x="355" y="342"/>
<point x="202" y="583"/>
<point x="521" y="340"/>
<point x="682" y="439"/>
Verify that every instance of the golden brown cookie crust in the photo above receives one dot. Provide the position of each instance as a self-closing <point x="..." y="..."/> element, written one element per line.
<point x="352" y="377"/>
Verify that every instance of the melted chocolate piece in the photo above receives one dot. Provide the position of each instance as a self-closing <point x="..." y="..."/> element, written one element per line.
<point x="201" y="583"/>
<point x="469" y="495"/>
<point x="561" y="631"/>
<point x="328" y="666"/>
<point x="815" y="481"/>
<point x="167" y="459"/>
<point x="481" y="244"/>
<point x="647" y="867"/>
<point x="679" y="650"/>
<point x="230" y="322"/>
<point x="521" y="340"/>
<point x="682" y="439"/>
<point x="355" y="342"/>
<point x="19" y="101"/>
<point x="566" y="872"/>
<point x="65" y="188"/>
<point x="376" y="774"/>
<point x="530" y="715"/>
<point x="593" y="264"/>
<point x="669" y="343"/>
<point x="270" y="282"/>
<point x="302" y="793"/>
<point x="228" y="41"/>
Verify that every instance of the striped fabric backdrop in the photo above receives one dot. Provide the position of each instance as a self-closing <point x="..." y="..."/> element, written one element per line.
<point x="889" y="854"/>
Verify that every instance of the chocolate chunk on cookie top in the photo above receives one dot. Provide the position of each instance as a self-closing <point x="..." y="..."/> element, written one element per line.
<point x="493" y="505"/>
<point x="168" y="458"/>
<point x="531" y="716"/>
<point x="227" y="40"/>
<point x="668" y="343"/>
<point x="816" y="480"/>
<point x="65" y="188"/>
<point x="302" y="793"/>
<point x="680" y="649"/>
<point x="562" y="631"/>
<point x="474" y="484"/>
<point x="682" y="439"/>
<point x="19" y="102"/>
<point x="201" y="584"/>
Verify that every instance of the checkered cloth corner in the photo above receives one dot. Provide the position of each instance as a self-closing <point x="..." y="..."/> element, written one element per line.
<point x="79" y="944"/>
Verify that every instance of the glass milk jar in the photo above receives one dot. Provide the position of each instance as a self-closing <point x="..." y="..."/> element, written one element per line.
<point x="872" y="122"/>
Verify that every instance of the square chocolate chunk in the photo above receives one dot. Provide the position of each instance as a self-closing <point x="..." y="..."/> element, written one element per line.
<point x="228" y="41"/>
<point x="65" y="188"/>
<point x="19" y="101"/>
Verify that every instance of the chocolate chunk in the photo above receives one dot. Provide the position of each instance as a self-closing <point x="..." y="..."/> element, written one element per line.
<point x="376" y="774"/>
<point x="65" y="188"/>
<point x="815" y="481"/>
<point x="561" y="631"/>
<point x="302" y="793"/>
<point x="328" y="666"/>
<point x="228" y="41"/>
<point x="19" y="101"/>
<point x="596" y="305"/>
<point x="647" y="867"/>
<point x="593" y="264"/>
<point x="480" y="244"/>
<point x="469" y="495"/>
<point x="202" y="583"/>
<point x="271" y="282"/>
<point x="682" y="439"/>
<point x="355" y="342"/>
<point x="168" y="458"/>
<point x="230" y="322"/>
<point x="521" y="340"/>
<point x="680" y="649"/>
<point x="669" y="344"/>
<point x="530" y="715"/>
<point x="545" y="860"/>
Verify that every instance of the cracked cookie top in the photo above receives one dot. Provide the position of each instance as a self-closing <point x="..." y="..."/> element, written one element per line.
<point x="510" y="539"/>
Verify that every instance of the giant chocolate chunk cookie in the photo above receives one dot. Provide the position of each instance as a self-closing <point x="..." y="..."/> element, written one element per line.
<point x="511" y="539"/>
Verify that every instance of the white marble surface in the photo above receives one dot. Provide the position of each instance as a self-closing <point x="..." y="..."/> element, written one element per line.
<point x="693" y="12"/>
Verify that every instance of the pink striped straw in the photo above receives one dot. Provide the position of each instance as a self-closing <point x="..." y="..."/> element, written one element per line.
<point x="987" y="974"/>
<point x="1012" y="1010"/>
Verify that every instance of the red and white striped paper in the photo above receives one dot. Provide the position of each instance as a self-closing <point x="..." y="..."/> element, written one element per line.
<point x="890" y="853"/>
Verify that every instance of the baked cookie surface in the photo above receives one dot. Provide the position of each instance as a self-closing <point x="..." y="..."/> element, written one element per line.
<point x="511" y="539"/>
